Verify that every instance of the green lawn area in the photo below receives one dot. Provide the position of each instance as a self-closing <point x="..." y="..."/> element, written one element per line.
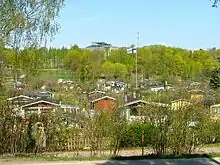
<point x="212" y="145"/>
<point x="51" y="158"/>
<point x="56" y="74"/>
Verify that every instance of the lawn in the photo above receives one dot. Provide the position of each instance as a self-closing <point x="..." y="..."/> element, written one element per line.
<point x="56" y="74"/>
<point x="212" y="145"/>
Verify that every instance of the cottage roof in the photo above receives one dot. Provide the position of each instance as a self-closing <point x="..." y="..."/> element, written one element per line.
<point x="95" y="95"/>
<point x="48" y="101"/>
<point x="209" y="102"/>
<point x="104" y="97"/>
<point x="96" y="91"/>
<point x="156" y="86"/>
<point x="146" y="102"/>
<point x="215" y="105"/>
<point x="20" y="96"/>
<point x="135" y="102"/>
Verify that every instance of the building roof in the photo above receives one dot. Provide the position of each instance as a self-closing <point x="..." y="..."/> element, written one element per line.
<point x="146" y="102"/>
<point x="99" y="45"/>
<point x="40" y="93"/>
<point x="95" y="95"/>
<point x="135" y="102"/>
<point x="20" y="96"/>
<point x="48" y="101"/>
<point x="96" y="91"/>
<point x="45" y="91"/>
<point x="209" y="102"/>
<point x="104" y="97"/>
<point x="157" y="86"/>
<point x="215" y="105"/>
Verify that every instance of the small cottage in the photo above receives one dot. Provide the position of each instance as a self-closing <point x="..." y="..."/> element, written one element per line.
<point x="105" y="103"/>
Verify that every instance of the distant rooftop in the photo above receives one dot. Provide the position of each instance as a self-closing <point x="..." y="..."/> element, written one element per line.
<point x="99" y="45"/>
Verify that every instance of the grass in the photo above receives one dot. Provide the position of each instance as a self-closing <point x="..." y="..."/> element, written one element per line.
<point x="25" y="157"/>
<point x="212" y="145"/>
<point x="51" y="158"/>
<point x="56" y="74"/>
<point x="214" y="154"/>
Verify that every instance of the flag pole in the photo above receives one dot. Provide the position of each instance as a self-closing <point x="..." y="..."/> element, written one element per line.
<point x="137" y="60"/>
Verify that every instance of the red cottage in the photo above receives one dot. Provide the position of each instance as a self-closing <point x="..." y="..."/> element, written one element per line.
<point x="105" y="103"/>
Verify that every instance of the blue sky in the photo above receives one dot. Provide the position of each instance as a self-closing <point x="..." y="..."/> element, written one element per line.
<point x="189" y="24"/>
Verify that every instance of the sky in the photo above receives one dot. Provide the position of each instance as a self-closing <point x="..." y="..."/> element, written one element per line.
<point x="191" y="24"/>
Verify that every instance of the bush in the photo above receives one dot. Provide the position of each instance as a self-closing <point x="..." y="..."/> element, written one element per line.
<point x="132" y="136"/>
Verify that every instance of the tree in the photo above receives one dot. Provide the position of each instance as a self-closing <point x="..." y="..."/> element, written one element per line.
<point x="26" y="22"/>
<point x="23" y="23"/>
<point x="146" y="61"/>
<point x="107" y="69"/>
<point x="159" y="118"/>
<point x="120" y="71"/>
<point x="180" y="130"/>
<point x="190" y="128"/>
<point x="116" y="70"/>
<point x="121" y="56"/>
<point x="215" y="3"/>
<point x="96" y="128"/>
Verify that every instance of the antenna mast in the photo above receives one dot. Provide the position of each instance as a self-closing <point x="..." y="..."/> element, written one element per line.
<point x="137" y="60"/>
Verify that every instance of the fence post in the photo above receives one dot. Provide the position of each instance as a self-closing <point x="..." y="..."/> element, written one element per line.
<point x="142" y="140"/>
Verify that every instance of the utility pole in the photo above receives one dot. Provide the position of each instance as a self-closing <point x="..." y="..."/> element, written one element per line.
<point x="137" y="60"/>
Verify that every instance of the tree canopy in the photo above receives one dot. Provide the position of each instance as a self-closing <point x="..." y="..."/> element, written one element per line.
<point x="155" y="61"/>
<point x="25" y="22"/>
<point x="215" y="3"/>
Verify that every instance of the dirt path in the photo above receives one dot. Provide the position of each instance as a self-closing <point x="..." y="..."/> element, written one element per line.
<point x="130" y="152"/>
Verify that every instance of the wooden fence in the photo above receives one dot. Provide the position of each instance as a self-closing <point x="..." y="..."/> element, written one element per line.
<point x="81" y="143"/>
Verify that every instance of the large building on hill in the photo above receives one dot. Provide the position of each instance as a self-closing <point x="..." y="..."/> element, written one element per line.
<point x="100" y="46"/>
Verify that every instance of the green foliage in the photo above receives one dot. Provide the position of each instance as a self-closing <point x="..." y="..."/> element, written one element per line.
<point x="215" y="3"/>
<point x="215" y="79"/>
<point x="84" y="63"/>
<point x="121" y="56"/>
<point x="116" y="70"/>
<point x="26" y="22"/>
<point x="185" y="138"/>
<point x="132" y="135"/>
<point x="165" y="63"/>
<point x="178" y="131"/>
